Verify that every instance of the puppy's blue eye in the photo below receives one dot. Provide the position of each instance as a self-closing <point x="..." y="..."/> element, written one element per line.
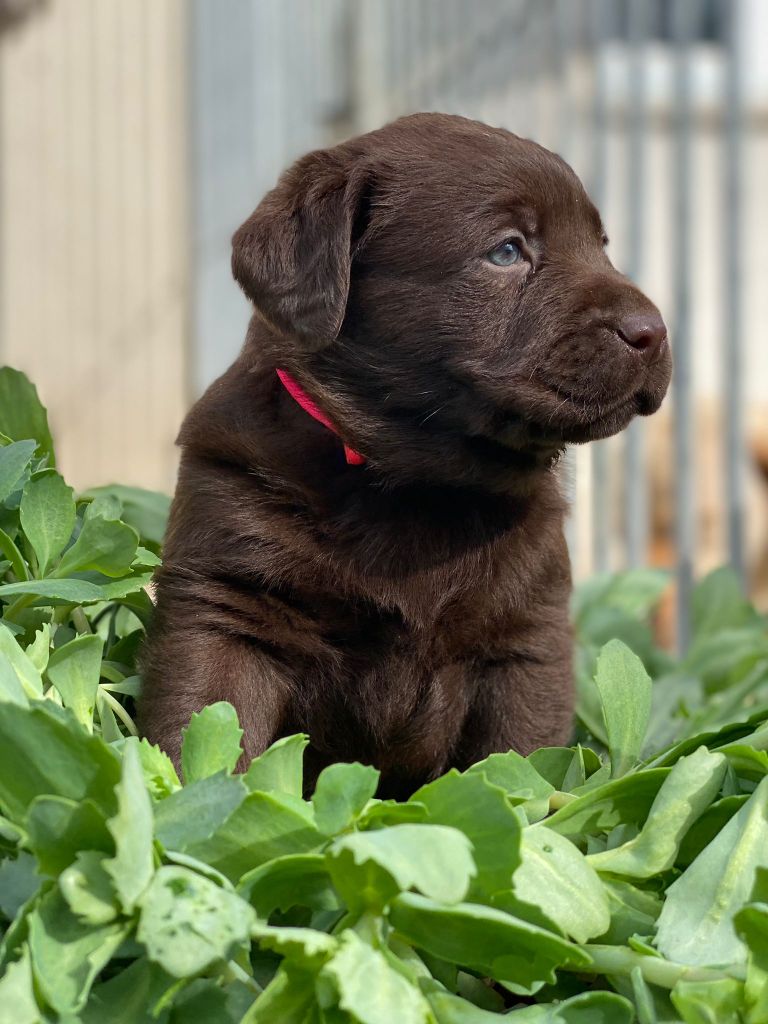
<point x="506" y="254"/>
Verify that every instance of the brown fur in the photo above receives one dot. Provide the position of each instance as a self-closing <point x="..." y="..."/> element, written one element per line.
<point x="411" y="613"/>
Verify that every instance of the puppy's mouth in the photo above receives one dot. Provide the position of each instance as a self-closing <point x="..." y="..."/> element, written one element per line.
<point x="563" y="417"/>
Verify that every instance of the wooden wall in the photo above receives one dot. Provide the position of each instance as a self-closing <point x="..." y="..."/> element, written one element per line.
<point x="93" y="252"/>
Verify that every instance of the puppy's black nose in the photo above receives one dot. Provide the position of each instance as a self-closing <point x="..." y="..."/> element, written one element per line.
<point x="645" y="332"/>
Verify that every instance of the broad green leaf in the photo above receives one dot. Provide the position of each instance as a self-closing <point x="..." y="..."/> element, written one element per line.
<point x="211" y="742"/>
<point x="264" y="826"/>
<point x="131" y="997"/>
<point x="483" y="812"/>
<point x="707" y="826"/>
<point x="434" y="859"/>
<point x="145" y="557"/>
<point x="696" y="922"/>
<point x="21" y="665"/>
<point x="11" y="689"/>
<point x="370" y="989"/>
<point x="290" y="998"/>
<point x="192" y="815"/>
<point x="17" y="996"/>
<point x="625" y="692"/>
<point x="105" y="546"/>
<point x="300" y="879"/>
<point x="565" y="768"/>
<point x="47" y="514"/>
<point x="552" y="763"/>
<point x="739" y="732"/>
<point x="88" y="889"/>
<point x="19" y="881"/>
<point x="159" y="773"/>
<point x="205" y="1001"/>
<point x="555" y="877"/>
<point x="146" y="511"/>
<point x="341" y="793"/>
<point x="365" y="887"/>
<point x="710" y="1002"/>
<point x="634" y="592"/>
<point x="747" y="762"/>
<point x="22" y="414"/>
<point x="379" y="813"/>
<point x="67" y="954"/>
<point x="718" y="603"/>
<point x="751" y="924"/>
<point x="10" y="551"/>
<point x="280" y="769"/>
<point x="76" y="765"/>
<point x="450" y="1009"/>
<point x="58" y="828"/>
<point x="188" y="923"/>
<point x="586" y="1008"/>
<point x="633" y="911"/>
<point x="105" y="505"/>
<point x="690" y="788"/>
<point x="74" y="670"/>
<point x="39" y="651"/>
<point x="14" y="459"/>
<point x="589" y="711"/>
<point x="133" y="864"/>
<point x="519" y="779"/>
<point x="78" y="591"/>
<point x="110" y="730"/>
<point x="520" y="955"/>
<point x="185" y="861"/>
<point x="621" y="801"/>
<point x="304" y="946"/>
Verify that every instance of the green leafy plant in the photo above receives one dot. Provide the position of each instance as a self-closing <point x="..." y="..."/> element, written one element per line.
<point x="624" y="878"/>
<point x="73" y="573"/>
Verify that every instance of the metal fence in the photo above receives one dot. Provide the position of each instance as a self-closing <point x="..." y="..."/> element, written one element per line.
<point x="658" y="104"/>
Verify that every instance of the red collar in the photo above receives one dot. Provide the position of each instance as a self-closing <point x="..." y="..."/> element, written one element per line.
<point x="298" y="394"/>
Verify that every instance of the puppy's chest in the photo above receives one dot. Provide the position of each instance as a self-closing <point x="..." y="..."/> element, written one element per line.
<point x="397" y="687"/>
<point x="432" y="620"/>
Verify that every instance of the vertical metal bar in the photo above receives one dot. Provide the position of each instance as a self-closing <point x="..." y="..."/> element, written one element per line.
<point x="428" y="96"/>
<point x="683" y="18"/>
<point x="733" y="362"/>
<point x="564" y="35"/>
<point x="225" y="168"/>
<point x="412" y="47"/>
<point x="636" y="508"/>
<point x="599" y="13"/>
<point x="374" y="104"/>
<point x="454" y="91"/>
<point x="563" y="32"/>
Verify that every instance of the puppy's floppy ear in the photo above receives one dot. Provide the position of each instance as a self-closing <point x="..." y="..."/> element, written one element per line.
<point x="293" y="256"/>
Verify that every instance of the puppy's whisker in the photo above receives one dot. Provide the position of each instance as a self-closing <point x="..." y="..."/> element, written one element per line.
<point x="433" y="413"/>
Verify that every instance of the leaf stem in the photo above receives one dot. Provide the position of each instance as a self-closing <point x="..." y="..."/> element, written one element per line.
<point x="757" y="739"/>
<point x="82" y="625"/>
<point x="119" y="710"/>
<point x="14" y="556"/>
<point x="657" y="971"/>
<point x="559" y="799"/>
<point x="236" y="971"/>
<point x="19" y="605"/>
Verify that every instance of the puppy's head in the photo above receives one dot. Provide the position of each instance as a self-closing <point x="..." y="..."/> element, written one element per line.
<point x="442" y="288"/>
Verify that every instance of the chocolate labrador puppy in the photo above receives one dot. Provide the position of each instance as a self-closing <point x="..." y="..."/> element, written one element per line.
<point x="366" y="542"/>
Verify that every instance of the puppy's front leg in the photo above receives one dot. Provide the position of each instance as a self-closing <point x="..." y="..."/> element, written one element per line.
<point x="519" y="705"/>
<point x="186" y="668"/>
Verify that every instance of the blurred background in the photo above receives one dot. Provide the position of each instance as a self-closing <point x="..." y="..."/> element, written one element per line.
<point x="136" y="135"/>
